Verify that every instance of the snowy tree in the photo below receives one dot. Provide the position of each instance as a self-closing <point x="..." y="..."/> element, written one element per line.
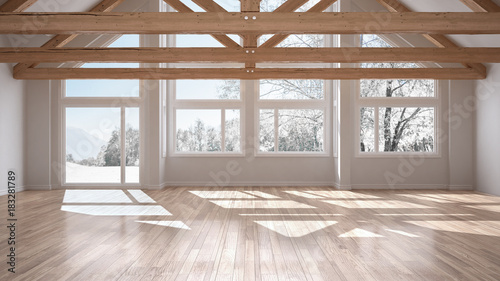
<point x="401" y="128"/>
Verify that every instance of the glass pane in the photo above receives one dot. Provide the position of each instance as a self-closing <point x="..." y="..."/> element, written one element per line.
<point x="232" y="142"/>
<point x="102" y="88"/>
<point x="300" y="130"/>
<point x="406" y="129"/>
<point x="367" y="126"/>
<point x="124" y="41"/>
<point x="298" y="40"/>
<point x="200" y="40"/>
<point x="208" y="89"/>
<point x="198" y="130"/>
<point x="93" y="150"/>
<point x="229" y="5"/>
<point x="397" y="88"/>
<point x="127" y="41"/>
<point x="266" y="132"/>
<point x="374" y="41"/>
<point x="132" y="145"/>
<point x="292" y="89"/>
<point x="271" y="5"/>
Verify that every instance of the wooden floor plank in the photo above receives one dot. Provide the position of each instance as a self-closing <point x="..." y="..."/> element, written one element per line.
<point x="258" y="233"/>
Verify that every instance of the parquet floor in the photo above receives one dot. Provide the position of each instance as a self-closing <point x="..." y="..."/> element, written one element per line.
<point x="268" y="233"/>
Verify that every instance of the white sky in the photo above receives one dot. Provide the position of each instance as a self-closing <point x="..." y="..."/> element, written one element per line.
<point x="100" y="122"/>
<point x="187" y="117"/>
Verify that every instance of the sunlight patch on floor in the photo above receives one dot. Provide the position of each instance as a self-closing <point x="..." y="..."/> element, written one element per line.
<point x="360" y="233"/>
<point x="343" y="194"/>
<point x="140" y="196"/>
<point x="295" y="228"/>
<point x="117" y="210"/>
<point x="469" y="227"/>
<point x="374" y="204"/>
<point x="264" y="204"/>
<point x="96" y="196"/>
<point x="174" y="224"/>
<point x="305" y="195"/>
<point x="220" y="194"/>
<point x="403" y="233"/>
<point x="262" y="194"/>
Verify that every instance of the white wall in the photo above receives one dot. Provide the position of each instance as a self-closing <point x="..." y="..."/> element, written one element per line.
<point x="488" y="132"/>
<point x="11" y="124"/>
<point x="453" y="169"/>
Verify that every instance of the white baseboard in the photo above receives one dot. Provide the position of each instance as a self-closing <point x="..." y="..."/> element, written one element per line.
<point x="342" y="187"/>
<point x="152" y="187"/>
<point x="18" y="189"/>
<point x="400" y="186"/>
<point x="38" y="187"/>
<point x="249" y="184"/>
<point x="257" y="184"/>
<point x="461" y="187"/>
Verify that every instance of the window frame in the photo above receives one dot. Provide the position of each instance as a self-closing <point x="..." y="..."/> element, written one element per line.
<point x="206" y="105"/>
<point x="65" y="102"/>
<point x="380" y="102"/>
<point x="89" y="102"/>
<point x="174" y="104"/>
<point x="327" y="104"/>
<point x="440" y="88"/>
<point x="250" y="103"/>
<point x="276" y="105"/>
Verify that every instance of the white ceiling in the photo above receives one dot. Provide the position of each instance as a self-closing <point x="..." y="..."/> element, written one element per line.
<point x="440" y="6"/>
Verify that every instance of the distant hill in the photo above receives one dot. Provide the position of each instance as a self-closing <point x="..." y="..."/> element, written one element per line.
<point x="81" y="144"/>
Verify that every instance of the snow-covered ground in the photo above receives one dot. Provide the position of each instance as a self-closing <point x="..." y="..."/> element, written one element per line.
<point x="83" y="174"/>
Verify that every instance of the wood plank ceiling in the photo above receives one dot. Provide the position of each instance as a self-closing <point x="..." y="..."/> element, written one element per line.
<point x="250" y="24"/>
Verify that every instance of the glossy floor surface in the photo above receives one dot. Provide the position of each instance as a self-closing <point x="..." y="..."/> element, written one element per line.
<point x="292" y="233"/>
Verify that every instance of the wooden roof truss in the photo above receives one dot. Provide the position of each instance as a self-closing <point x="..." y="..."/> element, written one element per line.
<point x="250" y="24"/>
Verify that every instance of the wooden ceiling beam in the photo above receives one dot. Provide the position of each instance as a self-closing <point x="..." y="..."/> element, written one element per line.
<point x="245" y="74"/>
<point x="253" y="55"/>
<point x="486" y="6"/>
<point x="16" y="6"/>
<point x="439" y="40"/>
<point x="244" y="23"/>
<point x="276" y="39"/>
<point x="63" y="39"/>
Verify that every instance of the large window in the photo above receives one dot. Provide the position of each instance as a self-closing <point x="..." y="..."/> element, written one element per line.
<point x="101" y="128"/>
<point x="206" y="117"/>
<point x="289" y="116"/>
<point x="292" y="114"/>
<point x="96" y="143"/>
<point x="396" y="116"/>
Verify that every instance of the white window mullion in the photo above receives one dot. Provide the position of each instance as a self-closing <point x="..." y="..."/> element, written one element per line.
<point x="223" y="129"/>
<point x="276" y="126"/>
<point x="122" y="144"/>
<point x="376" y="127"/>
